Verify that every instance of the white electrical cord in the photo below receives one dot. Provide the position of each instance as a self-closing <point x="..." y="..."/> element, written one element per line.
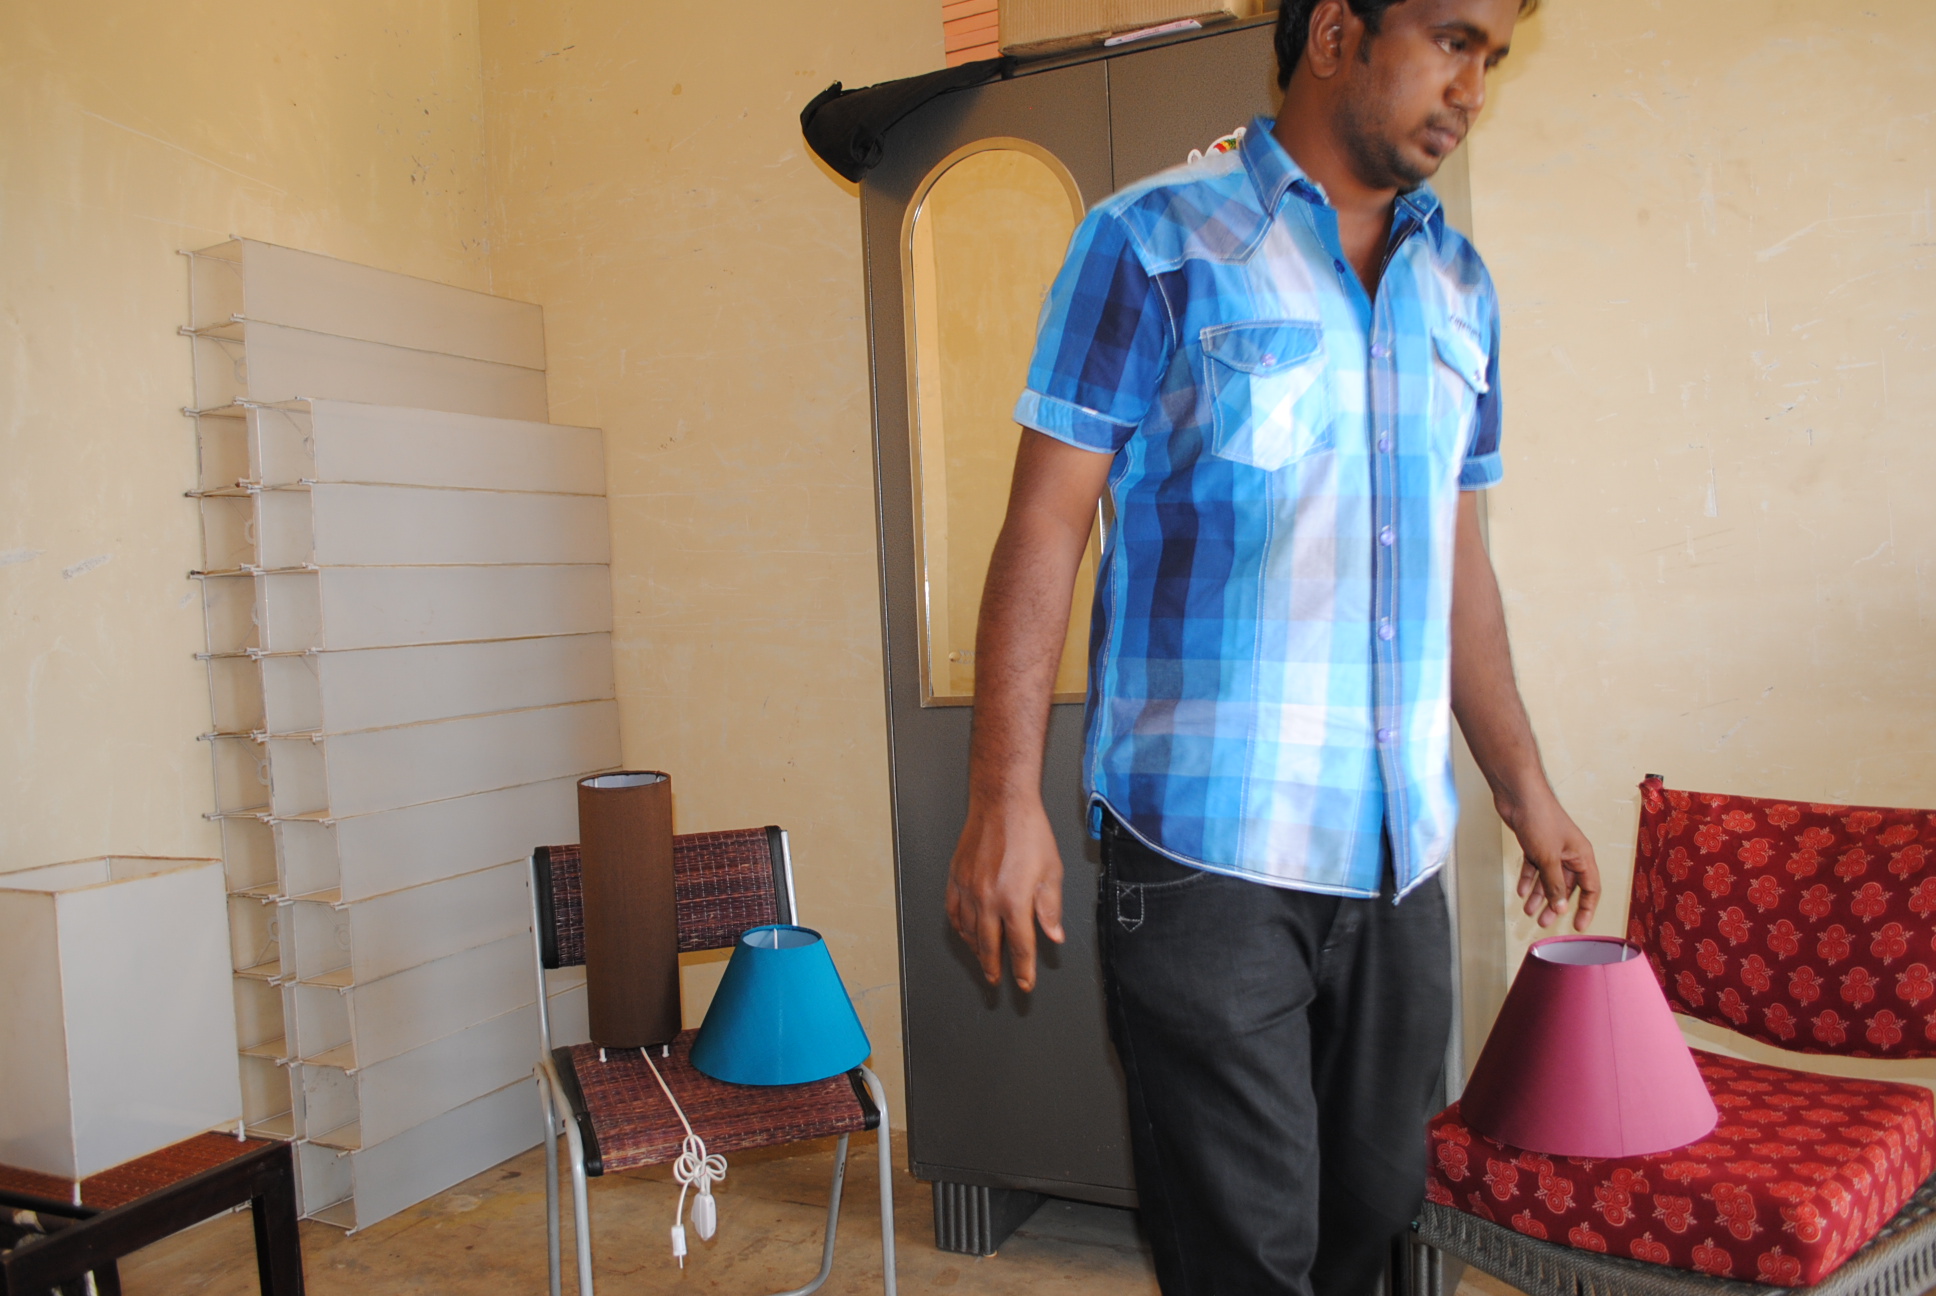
<point x="695" y="1169"/>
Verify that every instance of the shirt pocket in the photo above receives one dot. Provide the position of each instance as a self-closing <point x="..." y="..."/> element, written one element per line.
<point x="1458" y="381"/>
<point x="1269" y="403"/>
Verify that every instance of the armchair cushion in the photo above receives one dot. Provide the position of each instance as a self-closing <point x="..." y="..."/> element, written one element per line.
<point x="1808" y="927"/>
<point x="1802" y="1170"/>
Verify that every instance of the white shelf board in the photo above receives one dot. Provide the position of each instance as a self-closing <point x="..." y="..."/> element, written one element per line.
<point x="387" y="769"/>
<point x="398" y="1093"/>
<point x="370" y="855"/>
<point x="408" y="1009"/>
<point x="337" y="691"/>
<point x="262" y="362"/>
<point x="341" y="524"/>
<point x="388" y="607"/>
<point x="246" y="277"/>
<point x="340" y="441"/>
<point x="399" y="930"/>
<point x="366" y="1186"/>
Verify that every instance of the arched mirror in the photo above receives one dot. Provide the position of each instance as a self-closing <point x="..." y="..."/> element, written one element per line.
<point x="985" y="234"/>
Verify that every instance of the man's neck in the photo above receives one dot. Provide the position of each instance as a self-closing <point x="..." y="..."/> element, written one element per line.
<point x="1364" y="212"/>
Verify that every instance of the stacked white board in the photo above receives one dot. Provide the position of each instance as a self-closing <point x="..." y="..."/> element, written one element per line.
<point x="408" y="601"/>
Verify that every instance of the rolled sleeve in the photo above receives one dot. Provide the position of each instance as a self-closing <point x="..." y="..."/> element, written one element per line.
<point x="1103" y="343"/>
<point x="1483" y="466"/>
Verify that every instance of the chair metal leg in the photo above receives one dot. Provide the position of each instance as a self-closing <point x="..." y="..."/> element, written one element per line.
<point x="580" y="1205"/>
<point x="887" y="1182"/>
<point x="552" y="1257"/>
<point x="833" y="1223"/>
<point x="581" y="1209"/>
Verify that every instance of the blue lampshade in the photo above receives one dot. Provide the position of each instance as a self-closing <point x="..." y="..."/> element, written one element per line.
<point x="781" y="1015"/>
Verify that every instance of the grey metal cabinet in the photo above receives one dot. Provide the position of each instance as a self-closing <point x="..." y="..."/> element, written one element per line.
<point x="1009" y="1095"/>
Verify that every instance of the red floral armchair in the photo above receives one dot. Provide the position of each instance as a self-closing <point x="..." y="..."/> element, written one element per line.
<point x="1809" y="927"/>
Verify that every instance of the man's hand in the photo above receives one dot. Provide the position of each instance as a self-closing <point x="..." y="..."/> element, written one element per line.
<point x="1006" y="876"/>
<point x="1559" y="861"/>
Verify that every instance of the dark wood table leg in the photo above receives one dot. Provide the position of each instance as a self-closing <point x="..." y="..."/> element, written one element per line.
<point x="265" y="1178"/>
<point x="278" y="1241"/>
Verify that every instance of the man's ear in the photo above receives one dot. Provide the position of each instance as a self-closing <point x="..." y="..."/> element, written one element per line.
<point x="1334" y="30"/>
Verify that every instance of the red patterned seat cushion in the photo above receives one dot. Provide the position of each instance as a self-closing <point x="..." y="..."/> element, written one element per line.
<point x="1802" y="1170"/>
<point x="1809" y="927"/>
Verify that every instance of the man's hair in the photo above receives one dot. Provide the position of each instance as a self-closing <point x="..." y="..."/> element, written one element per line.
<point x="1294" y="27"/>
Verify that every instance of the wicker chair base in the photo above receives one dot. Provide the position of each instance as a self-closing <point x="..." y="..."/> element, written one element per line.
<point x="1898" y="1261"/>
<point x="626" y="1122"/>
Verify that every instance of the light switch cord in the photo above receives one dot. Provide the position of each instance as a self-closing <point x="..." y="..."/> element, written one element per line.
<point x="696" y="1170"/>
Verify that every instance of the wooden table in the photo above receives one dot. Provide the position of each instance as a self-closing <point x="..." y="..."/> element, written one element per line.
<point x="262" y="1174"/>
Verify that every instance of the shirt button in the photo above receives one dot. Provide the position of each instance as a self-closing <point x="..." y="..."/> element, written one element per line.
<point x="1384" y="444"/>
<point x="1384" y="535"/>
<point x="1380" y="351"/>
<point x="1339" y="265"/>
<point x="1269" y="359"/>
<point x="1386" y="735"/>
<point x="1385" y="630"/>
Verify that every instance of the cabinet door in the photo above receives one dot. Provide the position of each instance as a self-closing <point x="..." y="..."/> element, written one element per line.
<point x="966" y="222"/>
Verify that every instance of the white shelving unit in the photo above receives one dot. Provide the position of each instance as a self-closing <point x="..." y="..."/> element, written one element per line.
<point x="408" y="600"/>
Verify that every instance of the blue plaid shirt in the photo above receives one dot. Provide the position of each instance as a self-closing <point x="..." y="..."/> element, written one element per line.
<point x="1269" y="684"/>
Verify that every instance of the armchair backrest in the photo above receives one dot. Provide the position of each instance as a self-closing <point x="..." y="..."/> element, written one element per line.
<point x="1805" y="926"/>
<point x="723" y="884"/>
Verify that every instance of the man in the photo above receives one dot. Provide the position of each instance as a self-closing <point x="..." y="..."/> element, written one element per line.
<point x="1284" y="366"/>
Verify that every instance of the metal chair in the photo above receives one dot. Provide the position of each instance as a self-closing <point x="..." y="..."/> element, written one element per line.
<point x="611" y="1111"/>
<point x="1808" y="927"/>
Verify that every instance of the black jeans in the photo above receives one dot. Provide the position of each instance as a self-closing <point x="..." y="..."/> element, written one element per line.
<point x="1283" y="1050"/>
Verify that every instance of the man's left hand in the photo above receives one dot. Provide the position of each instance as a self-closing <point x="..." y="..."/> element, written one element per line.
<point x="1559" y="861"/>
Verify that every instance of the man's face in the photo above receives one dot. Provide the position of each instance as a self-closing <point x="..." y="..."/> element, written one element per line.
<point x="1408" y="94"/>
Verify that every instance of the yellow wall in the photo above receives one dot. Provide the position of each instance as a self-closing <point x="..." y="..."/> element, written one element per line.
<point x="1711" y="225"/>
<point x="701" y="279"/>
<point x="1712" y="232"/>
<point x="129" y="132"/>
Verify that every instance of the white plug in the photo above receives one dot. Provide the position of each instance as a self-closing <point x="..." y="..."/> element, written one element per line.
<point x="679" y="1244"/>
<point x="705" y="1215"/>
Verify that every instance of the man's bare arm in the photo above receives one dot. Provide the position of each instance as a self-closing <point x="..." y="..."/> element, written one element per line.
<point x="1485" y="698"/>
<point x="1006" y="874"/>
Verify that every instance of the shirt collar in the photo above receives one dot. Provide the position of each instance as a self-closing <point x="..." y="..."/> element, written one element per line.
<point x="1274" y="172"/>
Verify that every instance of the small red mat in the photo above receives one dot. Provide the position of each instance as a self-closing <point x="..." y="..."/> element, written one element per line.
<point x="119" y="1185"/>
<point x="1802" y="1170"/>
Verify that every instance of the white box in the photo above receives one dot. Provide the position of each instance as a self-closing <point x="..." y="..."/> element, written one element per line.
<point x="117" y="1025"/>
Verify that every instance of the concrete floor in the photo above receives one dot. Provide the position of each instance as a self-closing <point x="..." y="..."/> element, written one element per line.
<point x="486" y="1235"/>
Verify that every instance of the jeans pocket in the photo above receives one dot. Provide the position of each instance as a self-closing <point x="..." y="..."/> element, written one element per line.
<point x="1135" y="876"/>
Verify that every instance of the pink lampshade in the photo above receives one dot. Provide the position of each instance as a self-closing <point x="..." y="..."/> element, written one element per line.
<point x="1585" y="1059"/>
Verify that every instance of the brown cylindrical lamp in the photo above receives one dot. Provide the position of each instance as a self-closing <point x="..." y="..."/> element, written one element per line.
<point x="631" y="925"/>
